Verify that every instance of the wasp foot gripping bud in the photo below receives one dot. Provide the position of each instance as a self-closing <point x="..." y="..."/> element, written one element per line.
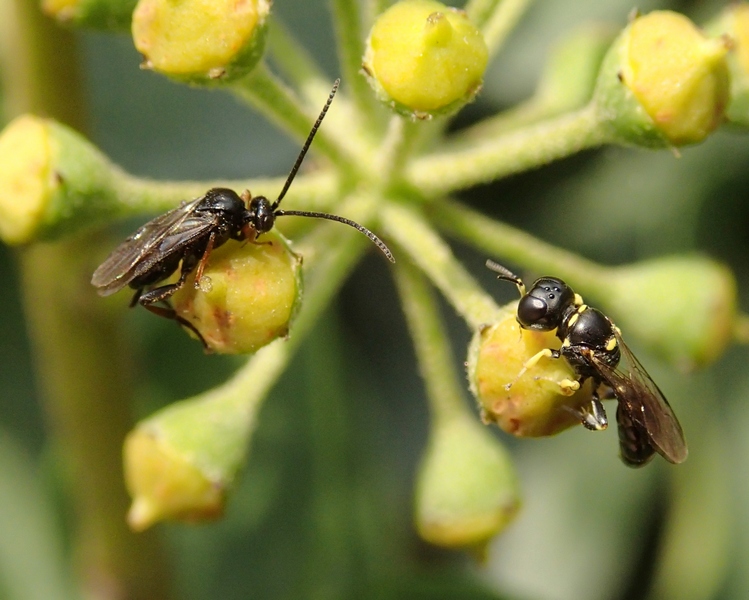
<point x="683" y="308"/>
<point x="52" y="181"/>
<point x="467" y="490"/>
<point x="201" y="41"/>
<point x="111" y="15"/>
<point x="246" y="297"/>
<point x="525" y="400"/>
<point x="734" y="23"/>
<point x="424" y="58"/>
<point x="663" y="83"/>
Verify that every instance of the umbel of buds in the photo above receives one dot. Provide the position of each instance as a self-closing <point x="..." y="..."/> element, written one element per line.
<point x="424" y="58"/>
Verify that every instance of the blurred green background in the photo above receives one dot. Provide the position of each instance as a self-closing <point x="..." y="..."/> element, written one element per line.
<point x="324" y="507"/>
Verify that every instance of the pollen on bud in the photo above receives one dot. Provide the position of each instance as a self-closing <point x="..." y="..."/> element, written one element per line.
<point x="467" y="490"/>
<point x="52" y="181"/>
<point x="246" y="297"/>
<point x="165" y="483"/>
<point x="201" y="41"/>
<point x="424" y="58"/>
<point x="682" y="307"/>
<point x="533" y="404"/>
<point x="663" y="82"/>
<point x="733" y="22"/>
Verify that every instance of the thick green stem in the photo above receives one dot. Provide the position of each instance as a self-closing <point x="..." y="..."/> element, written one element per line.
<point x="80" y="359"/>
<point x="444" y="172"/>
<point x="429" y="251"/>
<point x="432" y="345"/>
<point x="505" y="243"/>
<point x="314" y="191"/>
<point x="85" y="374"/>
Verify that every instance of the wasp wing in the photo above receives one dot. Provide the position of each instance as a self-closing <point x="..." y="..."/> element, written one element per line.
<point x="646" y="420"/>
<point x="152" y="243"/>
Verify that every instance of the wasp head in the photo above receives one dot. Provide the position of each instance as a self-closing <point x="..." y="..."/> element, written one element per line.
<point x="543" y="308"/>
<point x="261" y="215"/>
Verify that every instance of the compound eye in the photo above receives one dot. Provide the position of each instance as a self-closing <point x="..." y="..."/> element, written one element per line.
<point x="531" y="311"/>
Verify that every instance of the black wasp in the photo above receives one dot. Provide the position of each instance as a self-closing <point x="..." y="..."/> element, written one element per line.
<point x="189" y="233"/>
<point x="593" y="347"/>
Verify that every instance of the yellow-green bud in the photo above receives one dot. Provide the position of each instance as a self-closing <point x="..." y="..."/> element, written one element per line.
<point x="663" y="83"/>
<point x="424" y="58"/>
<point x="113" y="15"/>
<point x="201" y="41"/>
<point x="165" y="484"/>
<point x="734" y="22"/>
<point x="52" y="181"/>
<point x="467" y="490"/>
<point x="683" y="307"/>
<point x="247" y="296"/>
<point x="534" y="404"/>
<point x="181" y="462"/>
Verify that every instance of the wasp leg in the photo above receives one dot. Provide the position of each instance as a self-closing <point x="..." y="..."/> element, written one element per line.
<point x="168" y="313"/>
<point x="162" y="293"/>
<point x="567" y="386"/>
<point x="136" y="297"/>
<point x="546" y="352"/>
<point x="203" y="260"/>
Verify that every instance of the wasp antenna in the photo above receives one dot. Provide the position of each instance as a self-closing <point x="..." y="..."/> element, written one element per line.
<point x="317" y="215"/>
<point x="506" y="274"/>
<point x="306" y="146"/>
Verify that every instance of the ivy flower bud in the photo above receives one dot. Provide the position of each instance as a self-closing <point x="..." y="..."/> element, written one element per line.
<point x="683" y="308"/>
<point x="467" y="490"/>
<point x="734" y="22"/>
<point x="111" y="15"/>
<point x="534" y="404"/>
<point x="52" y="181"/>
<point x="201" y="41"/>
<point x="424" y="58"/>
<point x="181" y="462"/>
<point x="166" y="484"/>
<point x="247" y="296"/>
<point x="663" y="83"/>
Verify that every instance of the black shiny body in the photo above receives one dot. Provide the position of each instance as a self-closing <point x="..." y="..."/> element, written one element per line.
<point x="593" y="347"/>
<point x="184" y="238"/>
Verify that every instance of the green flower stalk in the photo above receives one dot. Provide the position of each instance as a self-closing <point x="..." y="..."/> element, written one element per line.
<point x="663" y="82"/>
<point x="466" y="490"/>
<point x="110" y="15"/>
<point x="246" y="297"/>
<point x="201" y="41"/>
<point x="424" y="58"/>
